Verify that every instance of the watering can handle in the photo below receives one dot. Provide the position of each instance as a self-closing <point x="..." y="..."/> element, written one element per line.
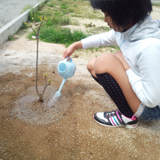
<point x="70" y="60"/>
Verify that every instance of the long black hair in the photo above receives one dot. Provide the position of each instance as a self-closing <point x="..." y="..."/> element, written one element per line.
<point x="124" y="12"/>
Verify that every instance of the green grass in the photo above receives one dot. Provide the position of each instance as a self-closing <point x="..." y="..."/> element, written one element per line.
<point x="24" y="26"/>
<point x="56" y="34"/>
<point x="156" y="4"/>
<point x="58" y="21"/>
<point x="58" y="13"/>
<point x="50" y="5"/>
<point x="10" y="38"/>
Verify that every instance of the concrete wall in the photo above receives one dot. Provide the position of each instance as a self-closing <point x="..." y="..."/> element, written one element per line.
<point x="12" y="27"/>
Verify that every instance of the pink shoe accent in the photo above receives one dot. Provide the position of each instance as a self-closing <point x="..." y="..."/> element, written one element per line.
<point x="119" y="116"/>
<point x="135" y="125"/>
<point x="112" y="121"/>
<point x="133" y="117"/>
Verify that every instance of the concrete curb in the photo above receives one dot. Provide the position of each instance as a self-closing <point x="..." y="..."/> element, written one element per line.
<point x="12" y="27"/>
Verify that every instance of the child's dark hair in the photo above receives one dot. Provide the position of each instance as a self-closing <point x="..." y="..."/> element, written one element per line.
<point x="124" y="12"/>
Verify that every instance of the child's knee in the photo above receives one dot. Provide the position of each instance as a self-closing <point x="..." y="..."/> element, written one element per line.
<point x="104" y="63"/>
<point x="90" y="65"/>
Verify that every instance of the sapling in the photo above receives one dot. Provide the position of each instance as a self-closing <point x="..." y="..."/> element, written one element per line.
<point x="36" y="31"/>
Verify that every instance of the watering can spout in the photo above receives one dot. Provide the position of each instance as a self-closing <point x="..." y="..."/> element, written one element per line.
<point x="58" y="93"/>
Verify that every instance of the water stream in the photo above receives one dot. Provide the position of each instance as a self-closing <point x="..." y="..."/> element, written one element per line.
<point x="53" y="101"/>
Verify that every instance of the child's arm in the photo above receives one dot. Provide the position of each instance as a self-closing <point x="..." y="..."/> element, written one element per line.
<point x="103" y="39"/>
<point x="74" y="46"/>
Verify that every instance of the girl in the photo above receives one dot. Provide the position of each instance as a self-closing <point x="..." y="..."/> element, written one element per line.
<point x="131" y="76"/>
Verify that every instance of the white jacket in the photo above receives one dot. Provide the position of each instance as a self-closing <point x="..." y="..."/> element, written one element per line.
<point x="140" y="46"/>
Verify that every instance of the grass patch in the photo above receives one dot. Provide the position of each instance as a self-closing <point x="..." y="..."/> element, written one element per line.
<point x="80" y="8"/>
<point x="61" y="35"/>
<point x="56" y="34"/>
<point x="58" y="13"/>
<point x="156" y="4"/>
<point x="58" y="21"/>
<point x="50" y="5"/>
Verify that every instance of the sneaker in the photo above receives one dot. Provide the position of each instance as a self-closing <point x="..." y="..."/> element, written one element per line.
<point x="115" y="119"/>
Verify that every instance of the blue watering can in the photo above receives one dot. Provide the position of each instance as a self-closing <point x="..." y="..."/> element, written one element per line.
<point x="66" y="69"/>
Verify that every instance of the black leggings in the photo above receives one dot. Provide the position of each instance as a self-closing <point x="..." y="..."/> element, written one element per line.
<point x="115" y="92"/>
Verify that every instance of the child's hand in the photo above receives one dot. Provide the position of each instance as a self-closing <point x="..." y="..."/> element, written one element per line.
<point x="69" y="51"/>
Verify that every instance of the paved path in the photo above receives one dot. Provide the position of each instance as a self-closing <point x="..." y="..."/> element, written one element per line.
<point x="10" y="9"/>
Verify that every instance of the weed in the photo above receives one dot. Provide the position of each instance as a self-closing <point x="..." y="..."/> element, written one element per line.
<point x="61" y="21"/>
<point x="50" y="22"/>
<point x="63" y="6"/>
<point x="10" y="38"/>
<point x="50" y="5"/>
<point x="89" y="25"/>
<point x="36" y="16"/>
<point x="24" y="26"/>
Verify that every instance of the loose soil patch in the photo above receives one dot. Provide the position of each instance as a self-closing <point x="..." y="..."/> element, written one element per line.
<point x="31" y="130"/>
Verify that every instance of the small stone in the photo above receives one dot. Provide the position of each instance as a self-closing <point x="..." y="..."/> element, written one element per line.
<point x="75" y="56"/>
<point x="33" y="37"/>
<point x="6" y="54"/>
<point x="15" y="36"/>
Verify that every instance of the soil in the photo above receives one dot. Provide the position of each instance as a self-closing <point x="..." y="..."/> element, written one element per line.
<point x="32" y="130"/>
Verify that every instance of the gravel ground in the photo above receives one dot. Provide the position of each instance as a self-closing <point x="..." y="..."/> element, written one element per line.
<point x="29" y="131"/>
<point x="11" y="9"/>
<point x="32" y="131"/>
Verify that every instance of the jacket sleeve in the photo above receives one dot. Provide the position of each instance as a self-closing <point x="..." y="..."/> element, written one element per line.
<point x="147" y="85"/>
<point x="103" y="39"/>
